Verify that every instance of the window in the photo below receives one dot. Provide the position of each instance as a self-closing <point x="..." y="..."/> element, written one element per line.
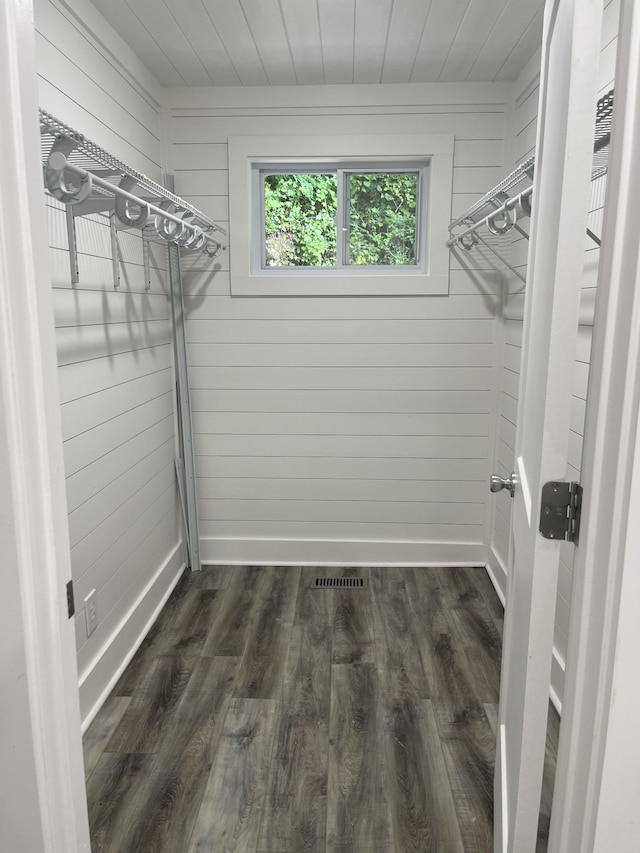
<point x="354" y="218"/>
<point x="369" y="219"/>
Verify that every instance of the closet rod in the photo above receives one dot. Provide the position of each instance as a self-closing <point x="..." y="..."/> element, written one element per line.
<point x="490" y="219"/>
<point x="524" y="172"/>
<point x="59" y="162"/>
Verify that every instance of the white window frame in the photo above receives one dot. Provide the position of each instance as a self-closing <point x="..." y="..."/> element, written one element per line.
<point x="261" y="170"/>
<point x="248" y="154"/>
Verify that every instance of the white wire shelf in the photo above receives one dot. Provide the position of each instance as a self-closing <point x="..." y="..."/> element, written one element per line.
<point x="499" y="210"/>
<point x="89" y="180"/>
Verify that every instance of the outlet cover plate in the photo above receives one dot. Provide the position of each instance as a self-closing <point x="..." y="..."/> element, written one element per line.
<point x="91" y="612"/>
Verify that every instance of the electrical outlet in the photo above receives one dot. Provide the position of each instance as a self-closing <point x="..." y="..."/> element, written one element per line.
<point x="91" y="612"/>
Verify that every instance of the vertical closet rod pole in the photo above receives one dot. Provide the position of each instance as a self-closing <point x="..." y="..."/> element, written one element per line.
<point x="185" y="427"/>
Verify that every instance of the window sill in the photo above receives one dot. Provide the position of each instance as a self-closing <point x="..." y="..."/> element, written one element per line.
<point x="404" y="284"/>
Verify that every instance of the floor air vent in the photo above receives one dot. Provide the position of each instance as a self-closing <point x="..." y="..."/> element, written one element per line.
<point x="324" y="583"/>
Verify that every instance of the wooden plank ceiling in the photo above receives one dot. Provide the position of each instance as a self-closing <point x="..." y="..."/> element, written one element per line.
<point x="288" y="42"/>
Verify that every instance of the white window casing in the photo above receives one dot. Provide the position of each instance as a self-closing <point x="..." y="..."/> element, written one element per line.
<point x="248" y="154"/>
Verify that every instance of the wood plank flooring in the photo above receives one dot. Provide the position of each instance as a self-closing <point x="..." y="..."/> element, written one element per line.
<point x="262" y="715"/>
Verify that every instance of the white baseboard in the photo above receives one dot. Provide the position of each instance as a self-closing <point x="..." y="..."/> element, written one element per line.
<point x="497" y="572"/>
<point x="315" y="552"/>
<point x="113" y="658"/>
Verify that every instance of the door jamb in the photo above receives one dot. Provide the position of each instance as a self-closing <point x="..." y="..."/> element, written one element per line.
<point x="40" y="638"/>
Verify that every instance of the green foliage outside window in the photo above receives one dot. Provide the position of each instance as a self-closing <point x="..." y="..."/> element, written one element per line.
<point x="380" y="219"/>
<point x="300" y="220"/>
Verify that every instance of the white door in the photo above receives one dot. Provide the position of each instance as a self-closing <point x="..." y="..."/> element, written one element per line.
<point x="571" y="43"/>
<point x="597" y="785"/>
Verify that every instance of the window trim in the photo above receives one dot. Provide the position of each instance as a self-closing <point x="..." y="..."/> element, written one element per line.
<point x="248" y="154"/>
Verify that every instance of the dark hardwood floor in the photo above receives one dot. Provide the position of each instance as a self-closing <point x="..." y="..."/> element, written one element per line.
<point x="262" y="715"/>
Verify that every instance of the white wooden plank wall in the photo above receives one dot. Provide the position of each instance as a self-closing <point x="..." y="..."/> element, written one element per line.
<point x="526" y="117"/>
<point x="114" y="353"/>
<point x="340" y="429"/>
<point x="526" y="92"/>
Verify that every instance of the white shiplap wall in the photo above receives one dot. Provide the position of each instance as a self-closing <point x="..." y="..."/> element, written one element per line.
<point x="340" y="429"/>
<point x="526" y="92"/>
<point x="525" y="128"/>
<point x="114" y="353"/>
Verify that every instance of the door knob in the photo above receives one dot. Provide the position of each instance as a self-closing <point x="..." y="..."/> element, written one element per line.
<point x="497" y="484"/>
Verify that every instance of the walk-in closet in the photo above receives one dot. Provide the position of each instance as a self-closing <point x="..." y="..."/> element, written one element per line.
<point x="315" y="392"/>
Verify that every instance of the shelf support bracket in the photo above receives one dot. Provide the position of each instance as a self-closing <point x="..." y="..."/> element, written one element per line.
<point x="115" y="266"/>
<point x="146" y="259"/>
<point x="73" y="245"/>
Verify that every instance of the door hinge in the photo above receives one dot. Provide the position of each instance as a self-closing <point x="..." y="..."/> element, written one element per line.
<point x="71" y="606"/>
<point x="560" y="511"/>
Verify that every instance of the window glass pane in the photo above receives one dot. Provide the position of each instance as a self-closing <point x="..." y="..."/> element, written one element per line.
<point x="382" y="225"/>
<point x="300" y="220"/>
